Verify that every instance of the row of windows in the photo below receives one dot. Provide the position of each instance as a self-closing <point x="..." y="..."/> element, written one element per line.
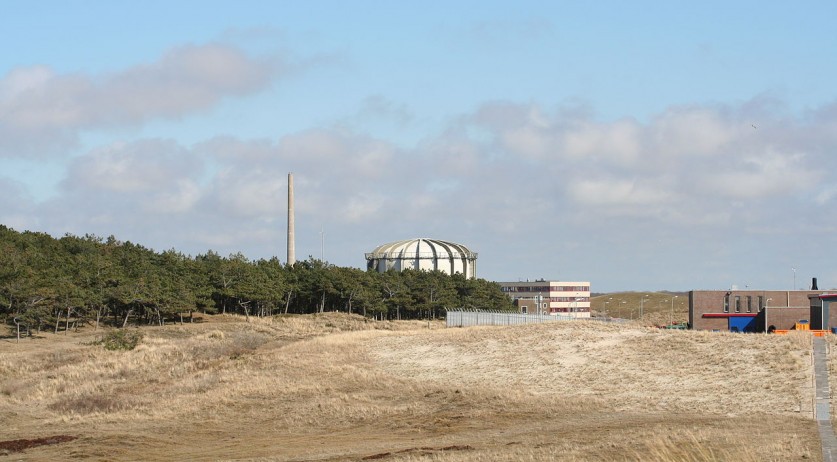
<point x="547" y="289"/>
<point x="568" y="310"/>
<point x="525" y="309"/>
<point x="526" y="289"/>
<point x="746" y="303"/>
<point x="571" y="288"/>
<point x="560" y="299"/>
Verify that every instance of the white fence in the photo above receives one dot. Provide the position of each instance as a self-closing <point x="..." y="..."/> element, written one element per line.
<point x="467" y="318"/>
<point x="498" y="318"/>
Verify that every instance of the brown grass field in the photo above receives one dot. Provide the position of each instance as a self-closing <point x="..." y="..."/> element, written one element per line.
<point x="338" y="387"/>
<point x="658" y="308"/>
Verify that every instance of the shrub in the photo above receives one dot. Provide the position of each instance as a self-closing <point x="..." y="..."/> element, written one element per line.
<point x="121" y="339"/>
<point x="91" y="404"/>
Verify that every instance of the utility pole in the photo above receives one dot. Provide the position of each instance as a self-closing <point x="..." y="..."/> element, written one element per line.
<point x="671" y="314"/>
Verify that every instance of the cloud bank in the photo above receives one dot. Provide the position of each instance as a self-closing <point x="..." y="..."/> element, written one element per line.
<point x="519" y="182"/>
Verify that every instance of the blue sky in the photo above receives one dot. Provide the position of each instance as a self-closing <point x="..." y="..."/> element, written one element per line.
<point x="638" y="145"/>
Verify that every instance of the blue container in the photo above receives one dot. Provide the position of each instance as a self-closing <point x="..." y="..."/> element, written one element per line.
<point x="834" y="330"/>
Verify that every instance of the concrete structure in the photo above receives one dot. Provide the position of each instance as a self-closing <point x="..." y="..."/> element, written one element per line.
<point x="550" y="297"/>
<point x="755" y="310"/>
<point x="291" y="245"/>
<point x="423" y="254"/>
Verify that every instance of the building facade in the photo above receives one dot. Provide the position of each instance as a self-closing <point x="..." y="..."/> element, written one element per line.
<point x="526" y="306"/>
<point x="753" y="310"/>
<point x="550" y="297"/>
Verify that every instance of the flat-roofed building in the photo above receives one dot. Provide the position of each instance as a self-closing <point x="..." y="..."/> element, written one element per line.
<point x="567" y="298"/>
<point x="752" y="310"/>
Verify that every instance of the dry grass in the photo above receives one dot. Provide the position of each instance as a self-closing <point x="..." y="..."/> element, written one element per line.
<point x="632" y="368"/>
<point x="337" y="387"/>
<point x="657" y="307"/>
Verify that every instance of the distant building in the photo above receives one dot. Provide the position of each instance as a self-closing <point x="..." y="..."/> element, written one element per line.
<point x="423" y="254"/>
<point x="759" y="310"/>
<point x="550" y="297"/>
<point x="525" y="306"/>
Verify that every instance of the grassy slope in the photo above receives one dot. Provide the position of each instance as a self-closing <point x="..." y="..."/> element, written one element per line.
<point x="334" y="387"/>
<point x="656" y="309"/>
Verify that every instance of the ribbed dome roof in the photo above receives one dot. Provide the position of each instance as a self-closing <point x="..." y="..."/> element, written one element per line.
<point x="421" y="248"/>
<point x="423" y="254"/>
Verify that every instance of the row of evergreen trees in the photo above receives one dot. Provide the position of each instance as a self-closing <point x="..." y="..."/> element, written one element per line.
<point x="47" y="283"/>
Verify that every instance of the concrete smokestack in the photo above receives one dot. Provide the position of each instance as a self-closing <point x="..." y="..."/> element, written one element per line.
<point x="291" y="245"/>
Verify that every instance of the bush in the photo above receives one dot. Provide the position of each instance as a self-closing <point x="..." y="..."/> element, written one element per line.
<point x="121" y="340"/>
<point x="91" y="404"/>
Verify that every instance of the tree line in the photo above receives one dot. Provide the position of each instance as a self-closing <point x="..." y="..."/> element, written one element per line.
<point x="49" y="283"/>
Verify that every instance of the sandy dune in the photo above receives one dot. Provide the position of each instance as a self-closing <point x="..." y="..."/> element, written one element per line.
<point x="334" y="387"/>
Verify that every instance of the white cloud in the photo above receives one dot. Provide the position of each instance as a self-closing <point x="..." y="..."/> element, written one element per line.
<point x="763" y="176"/>
<point x="248" y="192"/>
<point x="826" y="194"/>
<point x="343" y="157"/>
<point x="15" y="205"/>
<point x="377" y="106"/>
<point x="145" y="166"/>
<point x="186" y="79"/>
<point x="617" y="192"/>
<point x="41" y="111"/>
<point x="693" y="131"/>
<point x="23" y="79"/>
<point x="620" y="142"/>
<point x="362" y="207"/>
<point x="181" y="197"/>
<point x="689" y="164"/>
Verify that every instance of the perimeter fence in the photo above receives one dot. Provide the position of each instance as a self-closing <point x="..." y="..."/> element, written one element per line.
<point x="468" y="318"/>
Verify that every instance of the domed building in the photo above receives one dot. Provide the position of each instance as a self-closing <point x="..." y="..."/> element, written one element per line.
<point x="423" y="254"/>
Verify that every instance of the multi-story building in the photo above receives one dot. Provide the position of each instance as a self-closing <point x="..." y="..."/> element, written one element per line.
<point x="551" y="297"/>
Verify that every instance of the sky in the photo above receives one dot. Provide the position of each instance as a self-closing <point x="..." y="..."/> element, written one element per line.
<point x="646" y="145"/>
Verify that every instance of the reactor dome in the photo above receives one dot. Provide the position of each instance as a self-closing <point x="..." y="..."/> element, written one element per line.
<point x="423" y="254"/>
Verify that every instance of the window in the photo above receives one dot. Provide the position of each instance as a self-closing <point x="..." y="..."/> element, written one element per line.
<point x="524" y="310"/>
<point x="749" y="303"/>
<point x="761" y="303"/>
<point x="570" y="288"/>
<point x="737" y="303"/>
<point x="726" y="303"/>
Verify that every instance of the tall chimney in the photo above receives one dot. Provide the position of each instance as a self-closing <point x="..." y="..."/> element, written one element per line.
<point x="291" y="247"/>
<point x="814" y="284"/>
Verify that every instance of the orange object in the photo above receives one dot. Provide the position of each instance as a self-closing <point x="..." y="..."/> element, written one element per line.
<point x="814" y="332"/>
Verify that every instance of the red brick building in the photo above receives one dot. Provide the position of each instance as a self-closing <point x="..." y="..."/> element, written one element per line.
<point x="760" y="310"/>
